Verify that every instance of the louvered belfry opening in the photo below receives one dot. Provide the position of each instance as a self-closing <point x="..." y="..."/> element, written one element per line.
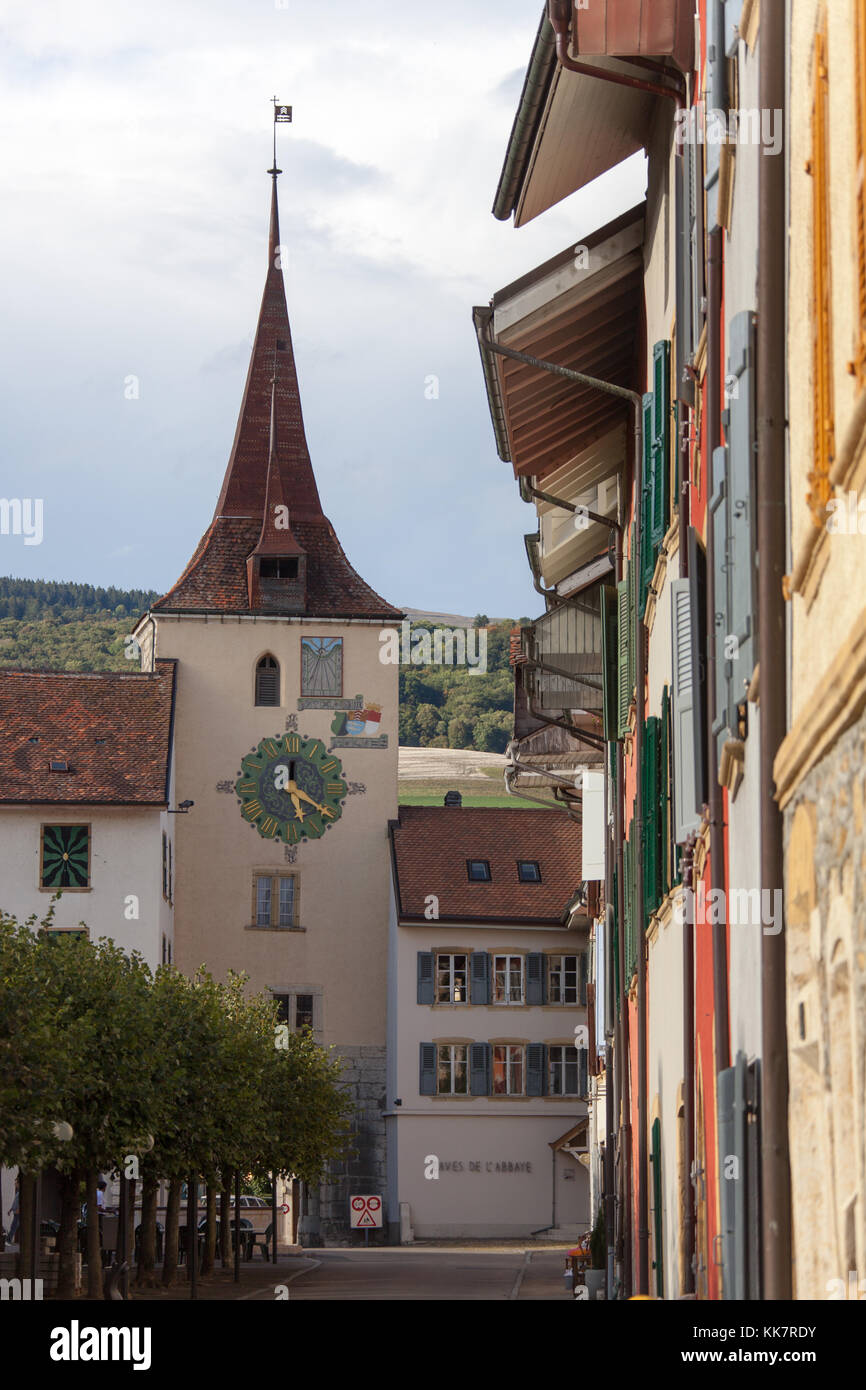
<point x="268" y="681"/>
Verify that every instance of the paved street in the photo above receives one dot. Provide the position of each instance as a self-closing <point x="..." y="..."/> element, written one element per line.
<point x="427" y="1272"/>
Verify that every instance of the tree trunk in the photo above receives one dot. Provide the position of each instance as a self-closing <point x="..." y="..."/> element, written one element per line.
<point x="225" y="1218"/>
<point x="172" y="1212"/>
<point x="94" y="1238"/>
<point x="209" y="1257"/>
<point x="67" y="1236"/>
<point x="131" y="1224"/>
<point x="26" y="1205"/>
<point x="147" y="1245"/>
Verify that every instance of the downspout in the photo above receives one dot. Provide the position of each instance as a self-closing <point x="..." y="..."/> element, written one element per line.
<point x="689" y="1224"/>
<point x="640" y="719"/>
<point x="714" y="790"/>
<point x="559" y="14"/>
<point x="771" y="411"/>
<point x="634" y="399"/>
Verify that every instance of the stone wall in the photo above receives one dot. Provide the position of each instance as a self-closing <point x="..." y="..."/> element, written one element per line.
<point x="825" y="872"/>
<point x="363" y="1171"/>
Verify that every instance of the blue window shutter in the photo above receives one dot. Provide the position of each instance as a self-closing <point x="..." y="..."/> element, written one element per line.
<point x="479" y="1069"/>
<point x="479" y="978"/>
<point x="741" y="438"/>
<point x="583" y="1072"/>
<point x="536" y="1067"/>
<point x="623" y="659"/>
<point x="425" y="977"/>
<point x="727" y="1184"/>
<point x="737" y="1269"/>
<point x="687" y="807"/>
<point x="719" y="522"/>
<point x="733" y="15"/>
<point x="535" y="977"/>
<point x="427" y="1079"/>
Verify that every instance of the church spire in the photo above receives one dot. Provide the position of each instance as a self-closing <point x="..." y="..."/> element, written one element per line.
<point x="245" y="481"/>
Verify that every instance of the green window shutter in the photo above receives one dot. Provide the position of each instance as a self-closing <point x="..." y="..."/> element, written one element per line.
<point x="623" y="662"/>
<point x="719" y="521"/>
<point x="479" y="1069"/>
<point x="610" y="673"/>
<point x="656" y="1160"/>
<point x="536" y="1069"/>
<point x="664" y="793"/>
<point x="617" y="947"/>
<point x="632" y="577"/>
<point x="427" y="1077"/>
<point x="650" y="838"/>
<point x="425" y="977"/>
<point x="644" y="512"/>
<point x="479" y="978"/>
<point x="742" y="538"/>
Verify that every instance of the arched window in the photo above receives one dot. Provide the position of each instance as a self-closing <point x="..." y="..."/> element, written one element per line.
<point x="268" y="681"/>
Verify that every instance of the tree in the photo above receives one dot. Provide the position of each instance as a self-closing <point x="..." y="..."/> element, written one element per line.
<point x="493" y="731"/>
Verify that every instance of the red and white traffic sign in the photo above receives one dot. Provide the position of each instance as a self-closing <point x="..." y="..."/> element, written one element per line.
<point x="284" y="1208"/>
<point x="365" y="1212"/>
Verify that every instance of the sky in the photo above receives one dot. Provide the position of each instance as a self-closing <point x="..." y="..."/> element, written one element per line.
<point x="133" y="232"/>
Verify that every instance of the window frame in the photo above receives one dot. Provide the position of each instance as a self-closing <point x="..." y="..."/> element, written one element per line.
<point x="65" y="825"/>
<point x="257" y="667"/>
<point x="292" y="996"/>
<point x="485" y="878"/>
<point x="524" y="863"/>
<point x="563" y="971"/>
<point x="451" y="1048"/>
<point x="562" y="1063"/>
<point x="508" y="969"/>
<point x="451" y="956"/>
<point x="275" y="876"/>
<point x="509" y="1062"/>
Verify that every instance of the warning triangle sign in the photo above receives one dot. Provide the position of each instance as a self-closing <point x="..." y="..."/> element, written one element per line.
<point x="366" y="1220"/>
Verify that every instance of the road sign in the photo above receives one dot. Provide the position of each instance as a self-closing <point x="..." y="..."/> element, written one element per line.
<point x="284" y="1208"/>
<point x="365" y="1212"/>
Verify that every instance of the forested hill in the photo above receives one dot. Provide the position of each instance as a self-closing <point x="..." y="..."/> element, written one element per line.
<point x="31" y="599"/>
<point x="52" y="626"/>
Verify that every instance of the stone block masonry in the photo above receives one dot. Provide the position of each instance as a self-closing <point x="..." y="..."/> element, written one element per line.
<point x="363" y="1169"/>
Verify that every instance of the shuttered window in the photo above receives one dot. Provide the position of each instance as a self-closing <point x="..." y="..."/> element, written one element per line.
<point x="718" y="519"/>
<point x="623" y="655"/>
<point x="684" y="710"/>
<point x="820" y="489"/>
<point x="860" y="186"/>
<point x="656" y="1161"/>
<point x="609" y="654"/>
<point x="268" y="682"/>
<point x="655" y="492"/>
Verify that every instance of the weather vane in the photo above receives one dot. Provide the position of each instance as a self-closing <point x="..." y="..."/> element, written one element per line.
<point x="281" y="114"/>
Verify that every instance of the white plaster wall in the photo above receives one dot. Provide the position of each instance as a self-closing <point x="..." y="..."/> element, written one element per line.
<point x="126" y="859"/>
<point x="665" y="1074"/>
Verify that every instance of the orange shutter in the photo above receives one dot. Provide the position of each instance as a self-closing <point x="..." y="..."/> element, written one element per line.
<point x="824" y="445"/>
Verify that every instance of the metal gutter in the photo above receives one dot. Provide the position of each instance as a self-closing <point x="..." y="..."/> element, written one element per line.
<point x="559" y="13"/>
<point x="539" y="75"/>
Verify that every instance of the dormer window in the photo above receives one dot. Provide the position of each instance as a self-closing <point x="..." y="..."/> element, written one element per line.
<point x="268" y="681"/>
<point x="279" y="567"/>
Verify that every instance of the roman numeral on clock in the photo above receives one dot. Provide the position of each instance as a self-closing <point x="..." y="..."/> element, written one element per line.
<point x="329" y="765"/>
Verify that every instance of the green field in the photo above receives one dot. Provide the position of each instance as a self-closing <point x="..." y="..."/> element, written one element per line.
<point x="473" y="791"/>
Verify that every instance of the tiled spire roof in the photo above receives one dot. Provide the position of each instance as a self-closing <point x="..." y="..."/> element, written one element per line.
<point x="258" y="478"/>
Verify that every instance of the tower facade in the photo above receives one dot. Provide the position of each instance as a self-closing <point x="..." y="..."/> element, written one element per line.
<point x="286" y="739"/>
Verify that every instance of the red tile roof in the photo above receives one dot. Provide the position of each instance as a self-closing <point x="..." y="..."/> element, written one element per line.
<point x="215" y="580"/>
<point x="67" y="712"/>
<point x="431" y="844"/>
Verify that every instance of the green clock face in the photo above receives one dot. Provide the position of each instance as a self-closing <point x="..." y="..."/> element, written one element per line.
<point x="290" y="788"/>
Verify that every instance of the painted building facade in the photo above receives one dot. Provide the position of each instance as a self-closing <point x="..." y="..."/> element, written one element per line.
<point x="488" y="1056"/>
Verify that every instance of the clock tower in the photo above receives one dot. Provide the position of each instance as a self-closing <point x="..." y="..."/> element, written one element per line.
<point x="286" y="741"/>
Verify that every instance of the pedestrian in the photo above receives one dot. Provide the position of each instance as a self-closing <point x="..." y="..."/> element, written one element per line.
<point x="13" y="1212"/>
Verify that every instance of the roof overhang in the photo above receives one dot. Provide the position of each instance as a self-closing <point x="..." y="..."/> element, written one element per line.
<point x="571" y="127"/>
<point x="582" y="310"/>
